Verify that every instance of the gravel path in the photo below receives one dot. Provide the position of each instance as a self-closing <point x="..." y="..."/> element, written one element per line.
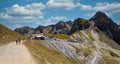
<point x="15" y="54"/>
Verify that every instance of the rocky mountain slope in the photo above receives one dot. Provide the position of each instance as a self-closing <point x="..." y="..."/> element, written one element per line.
<point x="89" y="46"/>
<point x="89" y="41"/>
<point x="79" y="24"/>
<point x="106" y="25"/>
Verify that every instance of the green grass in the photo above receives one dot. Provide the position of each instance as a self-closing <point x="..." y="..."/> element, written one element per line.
<point x="83" y="21"/>
<point x="7" y="35"/>
<point x="60" y="36"/>
<point x="101" y="37"/>
<point x="113" y="54"/>
<point x="90" y="35"/>
<point x="42" y="54"/>
<point x="119" y="27"/>
<point x="109" y="60"/>
<point x="108" y="41"/>
<point x="87" y="51"/>
<point x="76" y="48"/>
<point x="83" y="37"/>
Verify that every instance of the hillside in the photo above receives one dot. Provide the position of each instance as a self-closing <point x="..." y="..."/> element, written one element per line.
<point x="41" y="54"/>
<point x="86" y="47"/>
<point x="44" y="55"/>
<point x="106" y="25"/>
<point x="7" y="35"/>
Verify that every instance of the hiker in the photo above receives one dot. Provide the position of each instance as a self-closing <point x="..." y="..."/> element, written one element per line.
<point x="19" y="41"/>
<point x="16" y="41"/>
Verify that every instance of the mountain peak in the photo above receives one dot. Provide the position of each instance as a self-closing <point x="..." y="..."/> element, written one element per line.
<point x="105" y="24"/>
<point x="99" y="12"/>
<point x="61" y="22"/>
<point x="100" y="15"/>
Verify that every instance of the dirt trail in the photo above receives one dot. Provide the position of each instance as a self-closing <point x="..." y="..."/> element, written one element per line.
<point x="15" y="54"/>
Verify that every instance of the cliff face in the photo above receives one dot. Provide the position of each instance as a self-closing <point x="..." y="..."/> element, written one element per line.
<point x="79" y="24"/>
<point x="25" y="30"/>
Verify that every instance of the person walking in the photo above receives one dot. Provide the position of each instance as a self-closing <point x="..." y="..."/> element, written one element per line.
<point x="16" y="41"/>
<point x="19" y="41"/>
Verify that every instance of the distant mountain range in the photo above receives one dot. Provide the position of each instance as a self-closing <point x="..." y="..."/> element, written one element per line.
<point x="59" y="28"/>
<point x="100" y="20"/>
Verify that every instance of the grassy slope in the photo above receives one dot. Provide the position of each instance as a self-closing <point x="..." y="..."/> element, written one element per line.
<point x="7" y="35"/>
<point x="60" y="36"/>
<point x="108" y="41"/>
<point x="43" y="55"/>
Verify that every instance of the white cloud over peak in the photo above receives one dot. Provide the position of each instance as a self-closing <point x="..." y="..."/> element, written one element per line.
<point x="53" y="19"/>
<point x="57" y="18"/>
<point x="61" y="4"/>
<point x="105" y="7"/>
<point x="108" y="7"/>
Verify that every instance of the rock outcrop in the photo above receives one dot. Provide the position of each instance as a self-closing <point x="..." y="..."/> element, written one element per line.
<point x="25" y="30"/>
<point x="79" y="24"/>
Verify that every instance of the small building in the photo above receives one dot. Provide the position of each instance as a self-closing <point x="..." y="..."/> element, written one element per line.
<point x="39" y="38"/>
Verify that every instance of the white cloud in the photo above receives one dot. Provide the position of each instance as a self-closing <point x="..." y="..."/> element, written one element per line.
<point x="105" y="7"/>
<point x="89" y="14"/>
<point x="31" y="13"/>
<point x="5" y="16"/>
<point x="66" y="4"/>
<point x="57" y="18"/>
<point x="70" y="4"/>
<point x="108" y="7"/>
<point x="61" y="4"/>
<point x="40" y="17"/>
<point x="35" y="6"/>
<point x="84" y="7"/>
<point x="30" y="9"/>
<point x="28" y="15"/>
<point x="54" y="19"/>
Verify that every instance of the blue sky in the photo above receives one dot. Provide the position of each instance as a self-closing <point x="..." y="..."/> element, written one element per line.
<point x="18" y="13"/>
